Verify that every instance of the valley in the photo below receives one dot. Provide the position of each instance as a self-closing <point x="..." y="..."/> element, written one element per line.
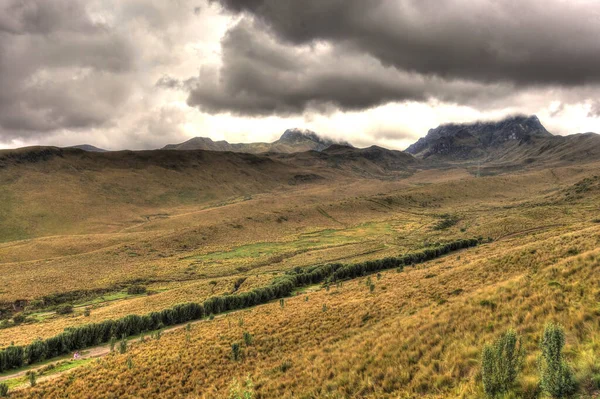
<point x="90" y="237"/>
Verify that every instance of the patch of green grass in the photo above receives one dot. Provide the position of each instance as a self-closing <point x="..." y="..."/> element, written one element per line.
<point x="62" y="367"/>
<point x="304" y="242"/>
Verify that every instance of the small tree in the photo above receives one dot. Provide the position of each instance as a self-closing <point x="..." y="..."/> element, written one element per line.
<point x="112" y="342"/>
<point x="123" y="346"/>
<point x="247" y="338"/>
<point x="556" y="375"/>
<point x="32" y="379"/>
<point x="3" y="390"/>
<point x="500" y="363"/>
<point x="235" y="351"/>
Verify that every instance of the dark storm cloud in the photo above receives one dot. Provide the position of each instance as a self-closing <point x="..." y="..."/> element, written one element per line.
<point x="522" y="42"/>
<point x="58" y="68"/>
<point x="262" y="76"/>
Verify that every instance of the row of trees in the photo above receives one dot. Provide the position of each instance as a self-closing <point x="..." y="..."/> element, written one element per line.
<point x="77" y="338"/>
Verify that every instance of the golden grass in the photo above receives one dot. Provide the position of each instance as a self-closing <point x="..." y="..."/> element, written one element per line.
<point x="419" y="334"/>
<point x="415" y="335"/>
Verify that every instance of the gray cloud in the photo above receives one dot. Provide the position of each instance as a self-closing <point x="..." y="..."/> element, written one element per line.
<point x="59" y="68"/>
<point x="262" y="76"/>
<point x="523" y="42"/>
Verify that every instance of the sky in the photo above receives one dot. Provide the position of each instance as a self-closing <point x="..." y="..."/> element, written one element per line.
<point x="140" y="74"/>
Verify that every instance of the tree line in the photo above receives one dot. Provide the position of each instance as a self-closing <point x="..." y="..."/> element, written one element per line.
<point x="77" y="338"/>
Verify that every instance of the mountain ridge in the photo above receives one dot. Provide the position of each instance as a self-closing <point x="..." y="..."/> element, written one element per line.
<point x="292" y="140"/>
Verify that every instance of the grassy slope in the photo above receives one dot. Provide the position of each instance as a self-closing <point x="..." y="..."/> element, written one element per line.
<point x="388" y="343"/>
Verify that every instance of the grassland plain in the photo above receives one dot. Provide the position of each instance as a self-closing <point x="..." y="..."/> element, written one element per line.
<point x="416" y="334"/>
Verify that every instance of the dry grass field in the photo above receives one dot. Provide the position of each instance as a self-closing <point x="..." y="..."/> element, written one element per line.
<point x="417" y="333"/>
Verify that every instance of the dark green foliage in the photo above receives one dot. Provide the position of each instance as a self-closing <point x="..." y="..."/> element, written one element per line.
<point x="500" y="363"/>
<point x="446" y="222"/>
<point x="32" y="379"/>
<point x="235" y="351"/>
<point x="248" y="338"/>
<point x="123" y="346"/>
<point x="556" y="375"/>
<point x="237" y="284"/>
<point x="64" y="309"/>
<point x="285" y="366"/>
<point x="489" y="304"/>
<point x="136" y="290"/>
<point x="87" y="312"/>
<point x="18" y="318"/>
<point x="372" y="287"/>
<point x="84" y="336"/>
<point x="3" y="390"/>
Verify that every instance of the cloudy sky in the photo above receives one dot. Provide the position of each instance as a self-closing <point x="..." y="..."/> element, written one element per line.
<point x="140" y="74"/>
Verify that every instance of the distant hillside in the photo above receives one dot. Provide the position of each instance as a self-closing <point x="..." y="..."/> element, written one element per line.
<point x="67" y="190"/>
<point x="88" y="147"/>
<point x="515" y="140"/>
<point x="292" y="140"/>
<point x="372" y="162"/>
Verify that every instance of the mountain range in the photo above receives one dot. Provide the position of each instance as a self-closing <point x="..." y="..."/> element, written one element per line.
<point x="512" y="141"/>
<point x="292" y="140"/>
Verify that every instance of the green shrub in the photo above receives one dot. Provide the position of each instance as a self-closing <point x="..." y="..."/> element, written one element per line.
<point x="285" y="366"/>
<point x="123" y="346"/>
<point x="500" y="363"/>
<point x="32" y="379"/>
<point x="136" y="290"/>
<point x="248" y="338"/>
<point x="3" y="390"/>
<point x="64" y="309"/>
<point x="556" y="375"/>
<point x="87" y="312"/>
<point x="235" y="351"/>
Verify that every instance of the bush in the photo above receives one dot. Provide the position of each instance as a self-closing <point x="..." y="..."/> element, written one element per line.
<point x="248" y="338"/>
<point x="87" y="312"/>
<point x="556" y="375"/>
<point x="235" y="351"/>
<point x="3" y="390"/>
<point x="136" y="290"/>
<point x="64" y="309"/>
<point x="500" y="363"/>
<point x="18" y="318"/>
<point x="32" y="379"/>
